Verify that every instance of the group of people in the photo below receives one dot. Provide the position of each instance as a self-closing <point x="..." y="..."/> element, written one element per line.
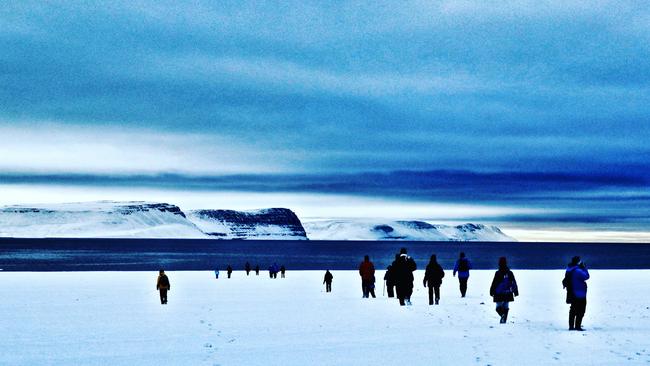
<point x="399" y="280"/>
<point x="274" y="269"/>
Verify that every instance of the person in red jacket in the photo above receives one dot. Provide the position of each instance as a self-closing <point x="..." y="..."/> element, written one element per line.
<point x="367" y="273"/>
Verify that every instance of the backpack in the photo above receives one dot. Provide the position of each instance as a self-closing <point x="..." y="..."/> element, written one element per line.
<point x="463" y="265"/>
<point x="568" y="285"/>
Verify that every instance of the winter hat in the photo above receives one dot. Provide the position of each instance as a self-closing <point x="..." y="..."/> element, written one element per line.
<point x="402" y="251"/>
<point x="503" y="263"/>
<point x="575" y="260"/>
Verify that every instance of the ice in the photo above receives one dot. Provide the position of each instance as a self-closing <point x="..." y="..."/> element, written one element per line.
<point x="115" y="318"/>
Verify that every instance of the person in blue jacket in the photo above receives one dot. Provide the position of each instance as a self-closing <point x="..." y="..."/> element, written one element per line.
<point x="462" y="267"/>
<point x="575" y="282"/>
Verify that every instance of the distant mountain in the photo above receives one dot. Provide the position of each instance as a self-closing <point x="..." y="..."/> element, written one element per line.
<point x="401" y="230"/>
<point x="110" y="219"/>
<point x="270" y="223"/>
<point x="104" y="219"/>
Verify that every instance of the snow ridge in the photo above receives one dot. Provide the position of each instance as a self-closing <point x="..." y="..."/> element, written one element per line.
<point x="137" y="219"/>
<point x="401" y="230"/>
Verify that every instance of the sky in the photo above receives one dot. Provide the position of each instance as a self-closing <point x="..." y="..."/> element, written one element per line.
<point x="533" y="115"/>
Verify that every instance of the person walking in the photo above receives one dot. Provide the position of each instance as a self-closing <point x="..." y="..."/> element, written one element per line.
<point x="282" y="271"/>
<point x="403" y="268"/>
<point x="462" y="267"/>
<point x="247" y="267"/>
<point x="229" y="270"/>
<point x="389" y="278"/>
<point x="327" y="280"/>
<point x="163" y="286"/>
<point x="257" y="270"/>
<point x="216" y="274"/>
<point x="433" y="279"/>
<point x="575" y="283"/>
<point x="367" y="273"/>
<point x="275" y="269"/>
<point x="503" y="289"/>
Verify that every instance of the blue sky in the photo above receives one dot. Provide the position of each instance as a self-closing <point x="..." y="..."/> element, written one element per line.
<point x="542" y="105"/>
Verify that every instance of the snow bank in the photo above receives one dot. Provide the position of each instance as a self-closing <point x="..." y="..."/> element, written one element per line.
<point x="401" y="230"/>
<point x="115" y="318"/>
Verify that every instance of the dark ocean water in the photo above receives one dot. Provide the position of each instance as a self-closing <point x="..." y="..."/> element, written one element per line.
<point x="186" y="254"/>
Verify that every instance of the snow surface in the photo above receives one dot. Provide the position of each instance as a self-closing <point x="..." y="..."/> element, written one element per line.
<point x="400" y="230"/>
<point x="115" y="318"/>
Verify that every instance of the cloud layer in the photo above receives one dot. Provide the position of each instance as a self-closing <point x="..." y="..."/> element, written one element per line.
<point x="542" y="104"/>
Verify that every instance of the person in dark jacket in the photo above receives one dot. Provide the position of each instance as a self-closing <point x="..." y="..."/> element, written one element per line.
<point x="403" y="268"/>
<point x="367" y="273"/>
<point x="163" y="286"/>
<point x="257" y="270"/>
<point x="327" y="280"/>
<point x="282" y="270"/>
<point x="575" y="283"/>
<point x="274" y="270"/>
<point x="389" y="277"/>
<point x="433" y="279"/>
<point x="462" y="267"/>
<point x="229" y="270"/>
<point x="247" y="267"/>
<point x="504" y="289"/>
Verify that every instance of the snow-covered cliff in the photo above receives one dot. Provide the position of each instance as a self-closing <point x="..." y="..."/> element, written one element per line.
<point x="104" y="219"/>
<point x="271" y="223"/>
<point x="109" y="219"/>
<point x="401" y="230"/>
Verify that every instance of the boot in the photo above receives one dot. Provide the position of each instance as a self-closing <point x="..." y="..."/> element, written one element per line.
<point x="504" y="317"/>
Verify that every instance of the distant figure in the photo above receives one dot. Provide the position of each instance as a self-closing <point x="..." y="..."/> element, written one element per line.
<point x="271" y="271"/>
<point x="257" y="270"/>
<point x="247" y="267"/>
<point x="216" y="273"/>
<point x="403" y="268"/>
<point x="503" y="289"/>
<point x="229" y="270"/>
<point x="275" y="270"/>
<point x="163" y="286"/>
<point x="282" y="270"/>
<point x="367" y="273"/>
<point x="462" y="267"/>
<point x="389" y="278"/>
<point x="433" y="279"/>
<point x="328" y="281"/>
<point x="576" y="292"/>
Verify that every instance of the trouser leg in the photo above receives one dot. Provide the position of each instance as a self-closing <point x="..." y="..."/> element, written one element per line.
<point x="572" y="316"/>
<point x="390" y="290"/>
<point x="372" y="291"/>
<point x="400" y="295"/>
<point x="463" y="286"/>
<point x="437" y="291"/>
<point x="430" y="295"/>
<point x="581" y="306"/>
<point x="163" y="296"/>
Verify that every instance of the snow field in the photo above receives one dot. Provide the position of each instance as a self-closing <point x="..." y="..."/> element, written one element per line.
<point x="115" y="318"/>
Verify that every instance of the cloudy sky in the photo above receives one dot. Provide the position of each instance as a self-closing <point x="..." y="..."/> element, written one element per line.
<point x="532" y="115"/>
